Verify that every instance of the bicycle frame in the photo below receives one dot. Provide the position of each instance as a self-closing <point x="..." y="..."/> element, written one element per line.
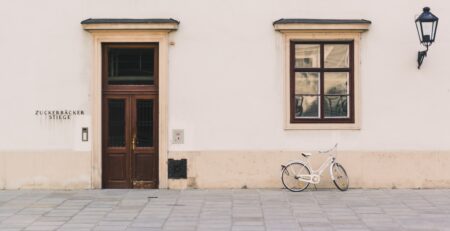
<point x="314" y="177"/>
<point x="330" y="160"/>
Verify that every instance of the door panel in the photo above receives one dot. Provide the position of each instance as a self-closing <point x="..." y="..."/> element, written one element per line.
<point x="145" y="156"/>
<point x="146" y="174"/>
<point x="130" y="158"/>
<point x="116" y="131"/>
<point x="117" y="166"/>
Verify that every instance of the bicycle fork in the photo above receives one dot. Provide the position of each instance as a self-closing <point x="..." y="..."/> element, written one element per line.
<point x="333" y="161"/>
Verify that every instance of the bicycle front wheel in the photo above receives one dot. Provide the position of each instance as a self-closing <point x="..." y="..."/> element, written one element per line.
<point x="290" y="174"/>
<point x="340" y="178"/>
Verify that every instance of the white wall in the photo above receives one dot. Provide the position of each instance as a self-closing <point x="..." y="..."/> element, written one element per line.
<point x="225" y="70"/>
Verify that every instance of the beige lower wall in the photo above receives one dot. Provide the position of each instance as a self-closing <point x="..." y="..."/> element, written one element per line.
<point x="45" y="170"/>
<point x="251" y="169"/>
<point x="234" y="169"/>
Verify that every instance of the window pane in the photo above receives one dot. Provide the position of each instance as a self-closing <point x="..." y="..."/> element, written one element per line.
<point x="306" y="106"/>
<point x="336" y="106"/>
<point x="336" y="83"/>
<point x="336" y="55"/>
<point x="131" y="66"/>
<point x="144" y="123"/>
<point x="307" y="55"/>
<point x="427" y="31"/>
<point x="116" y="123"/>
<point x="307" y="83"/>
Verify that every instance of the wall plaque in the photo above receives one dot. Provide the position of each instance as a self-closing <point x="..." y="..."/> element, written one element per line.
<point x="59" y="114"/>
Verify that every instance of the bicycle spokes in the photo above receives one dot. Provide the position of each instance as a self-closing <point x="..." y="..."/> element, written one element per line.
<point x="291" y="177"/>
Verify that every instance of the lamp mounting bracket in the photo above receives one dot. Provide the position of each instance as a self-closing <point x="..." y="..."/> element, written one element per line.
<point x="421" y="55"/>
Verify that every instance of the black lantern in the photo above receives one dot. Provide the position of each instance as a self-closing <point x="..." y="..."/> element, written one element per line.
<point x="426" y="25"/>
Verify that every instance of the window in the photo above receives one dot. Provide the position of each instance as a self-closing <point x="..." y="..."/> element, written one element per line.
<point x="321" y="65"/>
<point x="321" y="82"/>
<point x="131" y="66"/>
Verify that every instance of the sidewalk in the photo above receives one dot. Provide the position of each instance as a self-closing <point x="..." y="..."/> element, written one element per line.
<point x="210" y="210"/>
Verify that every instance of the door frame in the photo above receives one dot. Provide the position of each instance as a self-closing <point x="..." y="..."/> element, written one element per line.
<point x="129" y="36"/>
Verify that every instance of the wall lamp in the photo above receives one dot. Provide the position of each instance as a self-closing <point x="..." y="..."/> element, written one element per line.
<point x="426" y="25"/>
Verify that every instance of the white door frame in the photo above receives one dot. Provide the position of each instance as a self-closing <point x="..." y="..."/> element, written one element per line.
<point x="110" y="36"/>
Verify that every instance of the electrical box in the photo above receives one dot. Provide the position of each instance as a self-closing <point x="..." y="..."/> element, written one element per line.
<point x="177" y="169"/>
<point x="178" y="136"/>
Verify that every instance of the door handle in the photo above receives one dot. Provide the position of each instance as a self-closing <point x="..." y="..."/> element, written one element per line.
<point x="133" y="142"/>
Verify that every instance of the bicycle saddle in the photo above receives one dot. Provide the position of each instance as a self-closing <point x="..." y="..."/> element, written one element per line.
<point x="306" y="154"/>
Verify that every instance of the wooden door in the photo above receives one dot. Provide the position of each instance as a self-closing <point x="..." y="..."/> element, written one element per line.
<point x="130" y="116"/>
<point x="144" y="148"/>
<point x="116" y="160"/>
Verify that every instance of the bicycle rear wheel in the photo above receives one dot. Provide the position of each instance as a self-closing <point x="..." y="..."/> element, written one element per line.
<point x="289" y="177"/>
<point x="340" y="178"/>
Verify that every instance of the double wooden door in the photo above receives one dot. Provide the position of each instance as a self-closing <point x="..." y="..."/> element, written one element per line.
<point x="130" y="115"/>
<point x="130" y="141"/>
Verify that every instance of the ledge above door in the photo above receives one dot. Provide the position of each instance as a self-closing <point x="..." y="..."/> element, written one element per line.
<point x="130" y="24"/>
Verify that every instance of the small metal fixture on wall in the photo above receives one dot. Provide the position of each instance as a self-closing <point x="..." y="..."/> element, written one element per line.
<point x="84" y="134"/>
<point x="426" y="25"/>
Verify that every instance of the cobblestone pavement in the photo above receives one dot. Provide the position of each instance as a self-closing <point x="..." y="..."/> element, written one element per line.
<point x="233" y="210"/>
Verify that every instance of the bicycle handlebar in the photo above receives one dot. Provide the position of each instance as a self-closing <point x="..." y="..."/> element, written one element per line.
<point x="329" y="150"/>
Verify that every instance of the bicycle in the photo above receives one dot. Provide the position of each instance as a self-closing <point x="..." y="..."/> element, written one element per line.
<point x="297" y="175"/>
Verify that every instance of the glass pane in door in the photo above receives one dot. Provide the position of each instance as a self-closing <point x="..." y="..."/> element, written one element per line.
<point x="131" y="66"/>
<point x="144" y="123"/>
<point x="116" y="123"/>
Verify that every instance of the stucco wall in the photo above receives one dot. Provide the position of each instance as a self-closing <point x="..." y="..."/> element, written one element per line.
<point x="262" y="169"/>
<point x="225" y="76"/>
<point x="45" y="170"/>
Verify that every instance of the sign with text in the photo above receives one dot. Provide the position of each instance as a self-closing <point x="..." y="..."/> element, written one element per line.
<point x="59" y="114"/>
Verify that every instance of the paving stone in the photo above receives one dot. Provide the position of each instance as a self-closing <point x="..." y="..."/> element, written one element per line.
<point x="220" y="210"/>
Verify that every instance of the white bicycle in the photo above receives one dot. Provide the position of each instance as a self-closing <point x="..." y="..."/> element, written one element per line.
<point x="297" y="175"/>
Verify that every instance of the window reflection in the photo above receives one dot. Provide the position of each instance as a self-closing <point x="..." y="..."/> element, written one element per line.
<point x="307" y="107"/>
<point x="336" y="83"/>
<point x="307" y="83"/>
<point x="307" y="55"/>
<point x="336" y="106"/>
<point x="336" y="56"/>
